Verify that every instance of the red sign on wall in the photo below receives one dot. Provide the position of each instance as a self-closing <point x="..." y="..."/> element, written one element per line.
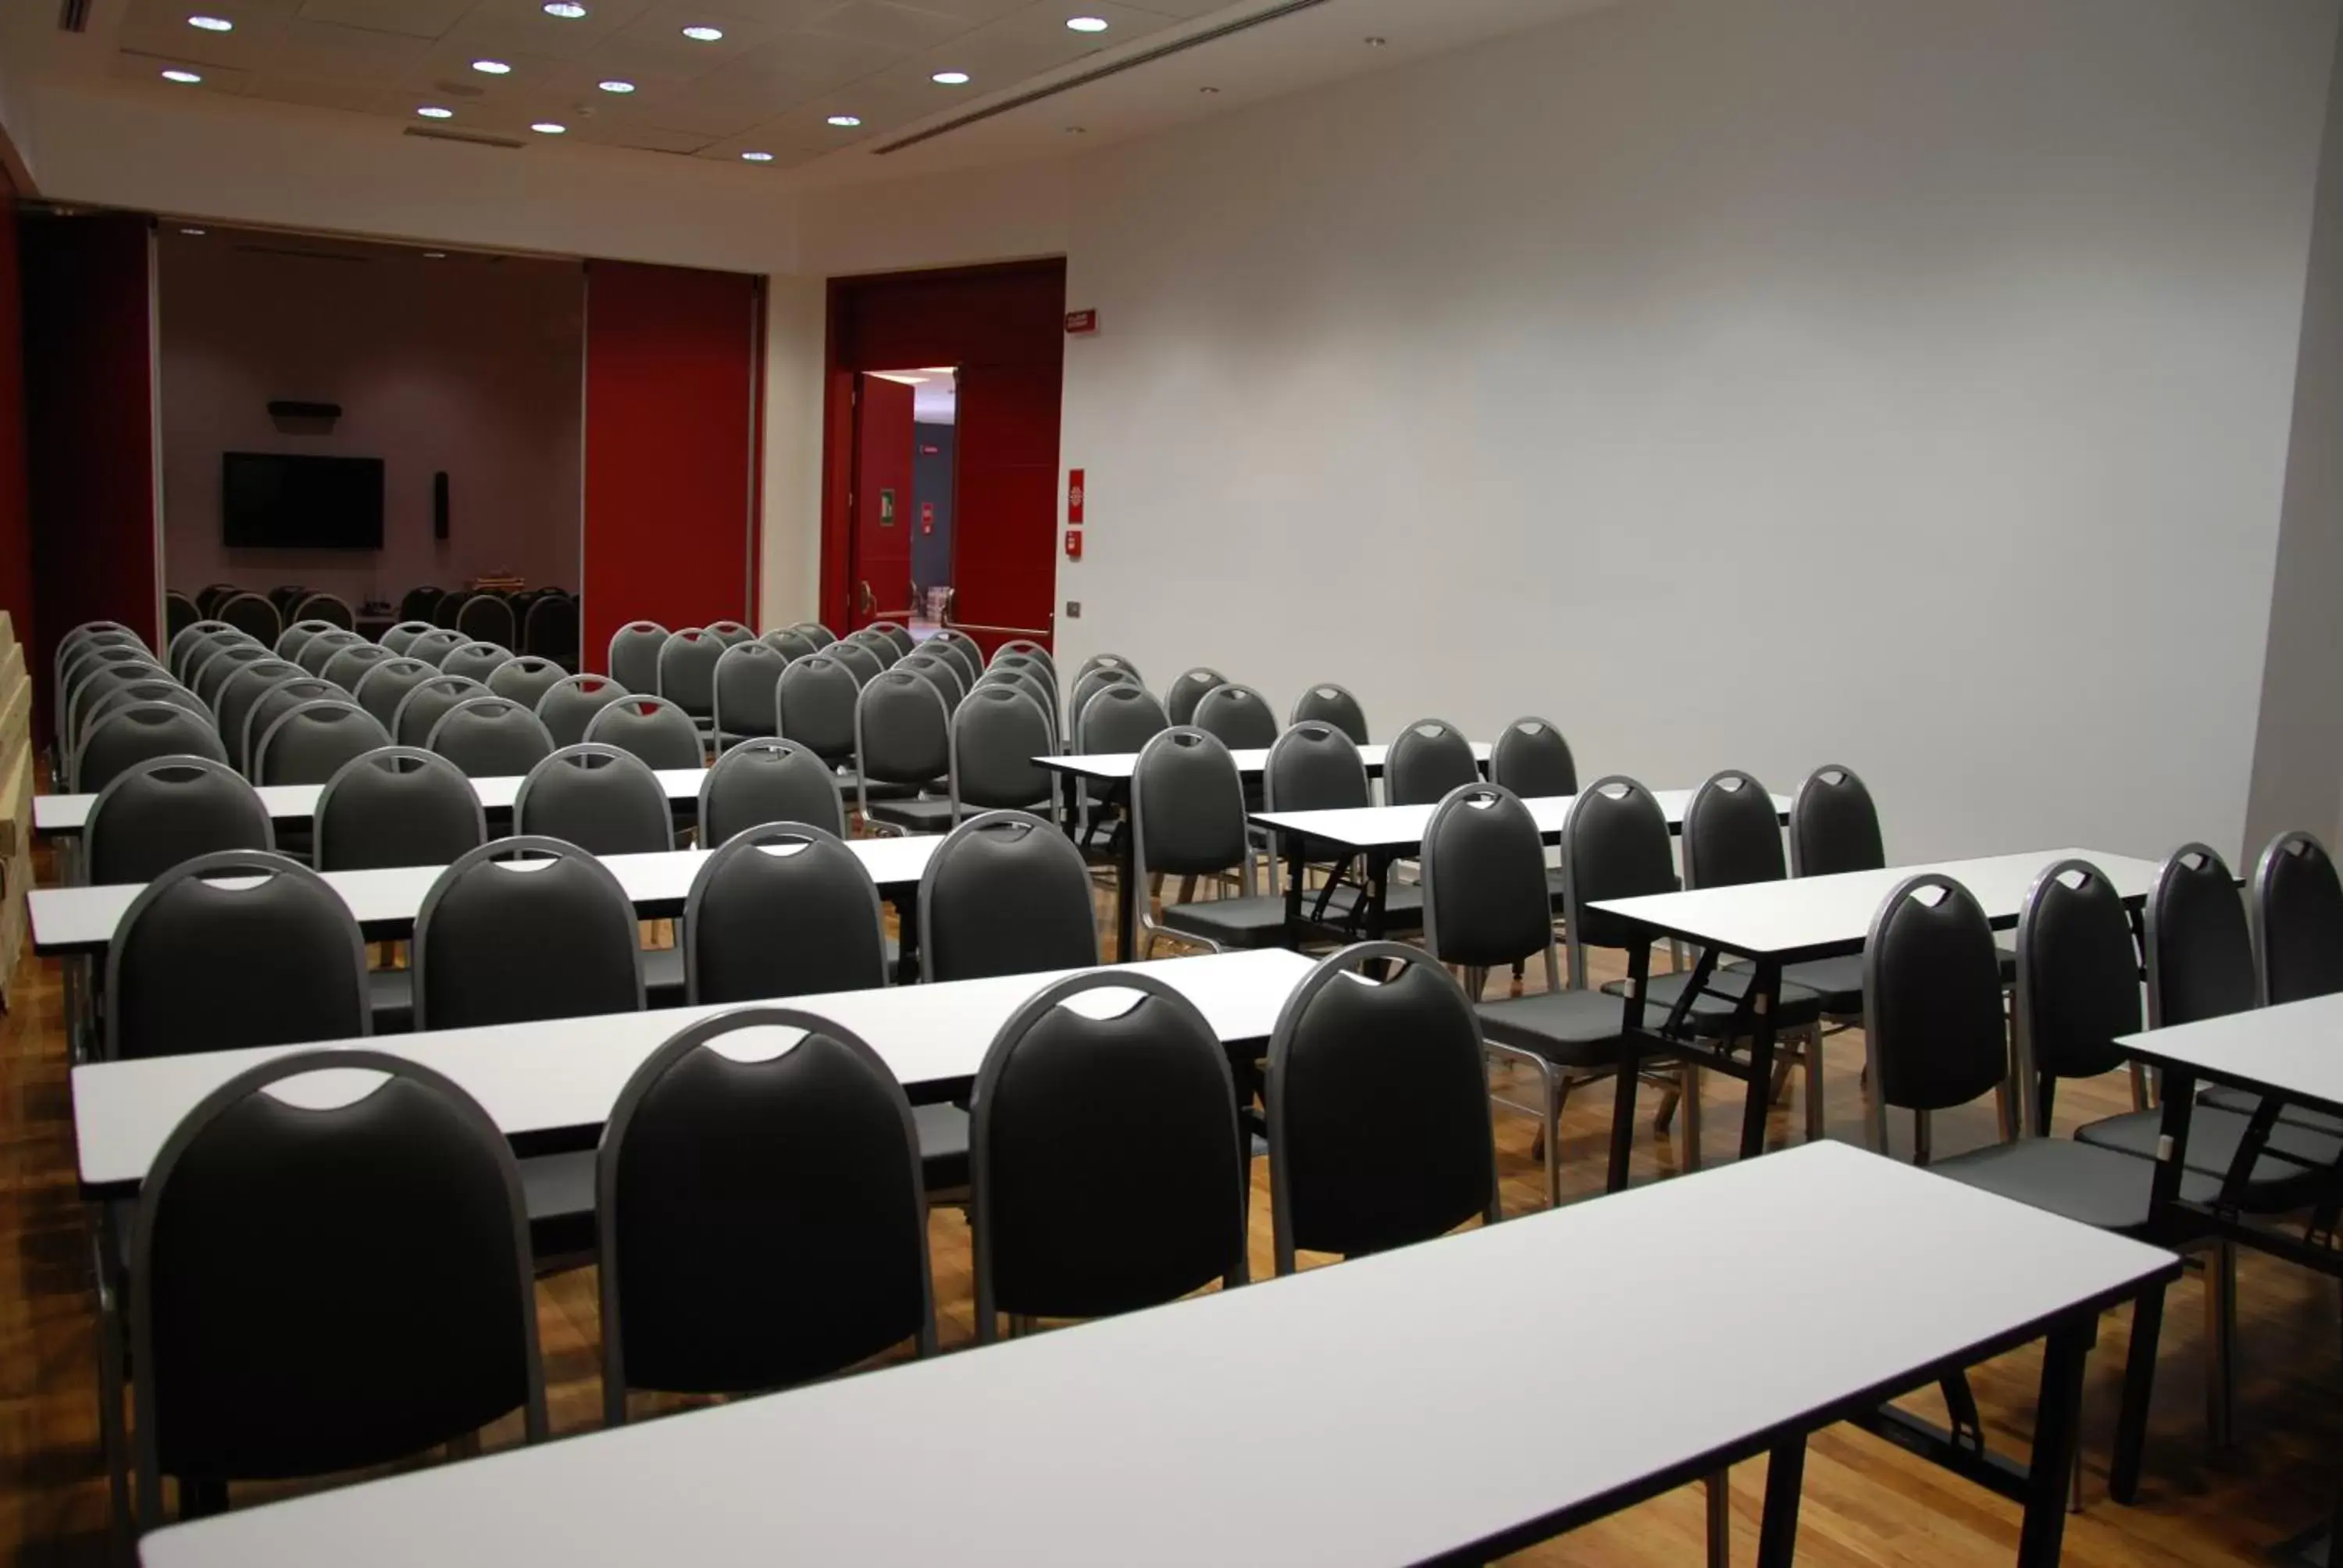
<point x="1080" y="323"/>
<point x="927" y="516"/>
<point x="1074" y="489"/>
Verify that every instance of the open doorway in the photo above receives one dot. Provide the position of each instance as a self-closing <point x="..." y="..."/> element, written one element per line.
<point x="904" y="491"/>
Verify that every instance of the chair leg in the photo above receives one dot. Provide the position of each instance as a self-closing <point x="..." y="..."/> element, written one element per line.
<point x="113" y="1437"/>
<point x="1664" y="1117"/>
<point x="1717" y="1486"/>
<point x="1815" y="1084"/>
<point x="1688" y="1081"/>
<point x="2141" y="1098"/>
<point x="1553" y="1095"/>
<point x="2220" y="1337"/>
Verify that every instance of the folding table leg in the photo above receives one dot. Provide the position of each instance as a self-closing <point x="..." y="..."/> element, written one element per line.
<point x="1764" y="993"/>
<point x="1785" y="1474"/>
<point x="1126" y="894"/>
<point x="1716" y="1489"/>
<point x="1622" y="1102"/>
<point x="2058" y="1415"/>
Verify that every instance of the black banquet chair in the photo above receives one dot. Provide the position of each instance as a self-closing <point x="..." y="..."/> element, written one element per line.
<point x="767" y="781"/>
<point x="136" y="733"/>
<point x="161" y="812"/>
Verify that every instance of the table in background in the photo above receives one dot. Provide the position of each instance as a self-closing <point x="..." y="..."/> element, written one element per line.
<point x="294" y="805"/>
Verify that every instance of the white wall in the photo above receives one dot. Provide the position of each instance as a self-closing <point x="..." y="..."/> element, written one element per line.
<point x="1757" y="385"/>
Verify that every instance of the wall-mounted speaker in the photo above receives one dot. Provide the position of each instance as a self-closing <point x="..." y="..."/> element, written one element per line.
<point x="439" y="506"/>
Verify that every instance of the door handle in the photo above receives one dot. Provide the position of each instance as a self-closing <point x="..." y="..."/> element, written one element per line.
<point x="869" y="601"/>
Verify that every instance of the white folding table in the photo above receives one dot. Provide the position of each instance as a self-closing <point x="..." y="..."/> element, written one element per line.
<point x="294" y="805"/>
<point x="1380" y="1422"/>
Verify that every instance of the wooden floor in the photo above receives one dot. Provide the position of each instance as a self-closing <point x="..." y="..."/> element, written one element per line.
<point x="1865" y="1501"/>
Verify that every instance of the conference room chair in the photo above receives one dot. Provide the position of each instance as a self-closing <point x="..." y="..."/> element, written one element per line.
<point x="91" y="664"/>
<point x="1117" y="720"/>
<point x="1008" y="660"/>
<point x="427" y="702"/>
<point x="476" y="660"/>
<point x="491" y="737"/>
<point x="604" y="801"/>
<point x="1113" y="661"/>
<point x="965" y="652"/>
<point x="418" y="603"/>
<point x="180" y="971"/>
<point x="209" y="597"/>
<point x="1237" y="715"/>
<point x="1327" y="703"/>
<point x="748" y="675"/>
<point x="878" y="644"/>
<point x="401" y="636"/>
<point x="1188" y="821"/>
<point x="320" y="650"/>
<point x="815" y="632"/>
<point x="270" y="1340"/>
<point x="351" y="663"/>
<point x="762" y="1222"/>
<point x="814" y="706"/>
<point x="1427" y="760"/>
<point x="894" y="632"/>
<point x="326" y="606"/>
<point x="487" y="617"/>
<point x="549" y="630"/>
<point x="650" y="727"/>
<point x="731" y="633"/>
<point x="250" y="614"/>
<point x="185" y="659"/>
<point x="385" y="684"/>
<point x="789" y="642"/>
<point x="1181" y="698"/>
<point x="179" y="611"/>
<point x="1089" y="684"/>
<point x="1834" y="828"/>
<point x="858" y="658"/>
<point x="2294" y="909"/>
<point x="285" y="596"/>
<point x="433" y="646"/>
<point x="95" y="683"/>
<point x="995" y="734"/>
<point x="174" y="655"/>
<point x="902" y="755"/>
<point x="1108" y="1166"/>
<point x="783" y="910"/>
<point x="635" y="655"/>
<point x="279" y="696"/>
<point x="135" y="733"/>
<point x="77" y="648"/>
<point x="396" y="806"/>
<point x="101" y="631"/>
<point x="152" y="688"/>
<point x="297" y="635"/>
<point x="158" y="813"/>
<point x="443" y="611"/>
<point x="1005" y="893"/>
<point x="1377" y="1108"/>
<point x="940" y="671"/>
<point x="1315" y="766"/>
<point x="1026" y="648"/>
<point x="308" y="743"/>
<point x="687" y="672"/>
<point x="212" y="667"/>
<point x="768" y="779"/>
<point x="1531" y="758"/>
<point x="526" y="678"/>
<point x="569" y="705"/>
<point x="1032" y="681"/>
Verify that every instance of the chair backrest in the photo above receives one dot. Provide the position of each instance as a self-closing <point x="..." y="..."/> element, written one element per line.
<point x="2200" y="953"/>
<point x="860" y="662"/>
<point x="100" y="682"/>
<point x="179" y="612"/>
<point x="1108" y="1167"/>
<point x="1180" y="700"/>
<point x="1427" y="759"/>
<point x="239" y="948"/>
<point x="1486" y="900"/>
<point x="426" y="703"/>
<point x="1089" y="684"/>
<point x="635" y="655"/>
<point x="966" y="655"/>
<point x="434" y="647"/>
<point x="269" y="1339"/>
<point x="173" y="657"/>
<point x="569" y="705"/>
<point x="687" y="670"/>
<point x="902" y="735"/>
<point x="995" y="736"/>
<point x="526" y="679"/>
<point x="520" y="928"/>
<point x="650" y="727"/>
<point x="1187" y="805"/>
<point x="191" y="646"/>
<point x="1931" y="1011"/>
<point x="487" y="617"/>
<point x="748" y="677"/>
<point x="1315" y="766"/>
<point x="789" y="642"/>
<point x="1238" y="715"/>
<point x="476" y="660"/>
<point x="893" y="632"/>
<point x="216" y="671"/>
<point x="768" y="779"/>
<point x="400" y="638"/>
<point x="296" y="635"/>
<point x="939" y="670"/>
<point x="1026" y="648"/>
<point x="1031" y="681"/>
<point x="352" y="664"/>
<point x="1834" y="826"/>
<point x="762" y="1221"/>
<point x="491" y="737"/>
<point x="1731" y="834"/>
<point x="164" y="811"/>
<point x="280" y="699"/>
<point x="2298" y="921"/>
<point x="231" y="648"/>
<point x="1114" y="661"/>
<point x="136" y="732"/>
<point x="1005" y="893"/>
<point x="731" y="633"/>
<point x="451" y="603"/>
<point x="602" y="799"/>
<point x="1327" y="703"/>
<point x="155" y="686"/>
<point x="251" y="614"/>
<point x="1009" y="660"/>
<point x="418" y="603"/>
<point x="550" y="629"/>
<point x="878" y="644"/>
<point x="97" y="661"/>
<point x="309" y="744"/>
<point x="1532" y="759"/>
<point x="396" y="806"/>
<point x="2078" y="975"/>
<point x="779" y="910"/>
<point x="1379" y="1131"/>
<point x="244" y="688"/>
<point x="327" y="608"/>
<point x="814" y="705"/>
<point x="385" y="686"/>
<point x="813" y="632"/>
<point x="1614" y="845"/>
<point x="1118" y="719"/>
<point x="320" y="650"/>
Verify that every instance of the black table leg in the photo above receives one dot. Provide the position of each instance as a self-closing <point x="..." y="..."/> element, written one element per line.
<point x="1764" y="996"/>
<point x="1631" y="1053"/>
<point x="2148" y="1312"/>
<point x="1785" y="1474"/>
<point x="1294" y="866"/>
<point x="1377" y="889"/>
<point x="1127" y="893"/>
<point x="2058" y="1413"/>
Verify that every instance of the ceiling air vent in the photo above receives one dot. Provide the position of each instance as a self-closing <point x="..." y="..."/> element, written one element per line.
<point x="478" y="139"/>
<point x="1116" y="68"/>
<point x="73" y="15"/>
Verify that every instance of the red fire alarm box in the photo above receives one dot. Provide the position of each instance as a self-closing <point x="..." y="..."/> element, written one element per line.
<point x="1080" y="323"/>
<point x="927" y="516"/>
<point x="1074" y="489"/>
<point x="1073" y="544"/>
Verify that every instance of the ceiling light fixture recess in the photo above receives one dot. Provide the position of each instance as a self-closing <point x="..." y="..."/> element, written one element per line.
<point x="548" y="128"/>
<point x="1213" y="91"/>
<point x="847" y="122"/>
<point x="616" y="87"/>
<point x="756" y="158"/>
<point x="435" y="256"/>
<point x="1086" y="24"/>
<point x="212" y="24"/>
<point x="192" y="233"/>
<point x="492" y="67"/>
<point x="568" y="10"/>
<point x="433" y="112"/>
<point x="1376" y="41"/>
<point x="704" y="35"/>
<point x="950" y="78"/>
<point x="176" y="75"/>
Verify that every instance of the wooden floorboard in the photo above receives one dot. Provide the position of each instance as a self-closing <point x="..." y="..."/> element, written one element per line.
<point x="1865" y="1501"/>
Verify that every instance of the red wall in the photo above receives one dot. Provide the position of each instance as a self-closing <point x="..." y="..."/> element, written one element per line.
<point x="673" y="366"/>
<point x="89" y="398"/>
<point x="15" y="513"/>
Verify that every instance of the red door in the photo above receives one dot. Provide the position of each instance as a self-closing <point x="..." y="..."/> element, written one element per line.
<point x="882" y="502"/>
<point x="1004" y="560"/>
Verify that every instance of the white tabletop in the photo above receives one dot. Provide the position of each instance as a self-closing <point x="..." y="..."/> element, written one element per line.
<point x="386" y="902"/>
<point x="2294" y="1049"/>
<point x="1400" y="827"/>
<point x="1803" y="914"/>
<point x="564" y="1074"/>
<point x="63" y="815"/>
<point x="1113" y="765"/>
<point x="1381" y="1422"/>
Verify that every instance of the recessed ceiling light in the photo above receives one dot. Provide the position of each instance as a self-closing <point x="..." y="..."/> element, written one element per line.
<point x="435" y="256"/>
<point x="176" y="75"/>
<point x="548" y="128"/>
<point x="950" y="78"/>
<point x="704" y="35"/>
<point x="848" y="121"/>
<point x="756" y="158"/>
<point x="1376" y="43"/>
<point x="433" y="112"/>
<point x="1078" y="130"/>
<point x="1214" y="91"/>
<point x="1087" y="24"/>
<point x="194" y="233"/>
<point x="212" y="24"/>
<point x="492" y="67"/>
<point x="616" y="87"/>
<point x="568" y="10"/>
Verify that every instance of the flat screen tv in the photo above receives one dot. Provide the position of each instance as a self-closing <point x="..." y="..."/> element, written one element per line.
<point x="272" y="501"/>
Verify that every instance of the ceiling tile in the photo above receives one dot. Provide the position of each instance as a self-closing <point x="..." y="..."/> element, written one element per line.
<point x="976" y="11"/>
<point x="135" y="67"/>
<point x="322" y="52"/>
<point x="658" y="33"/>
<point x="411" y="18"/>
<point x="522" y="28"/>
<point x="247" y="47"/>
<point x="317" y="95"/>
<point x="630" y="131"/>
<point x="887" y="24"/>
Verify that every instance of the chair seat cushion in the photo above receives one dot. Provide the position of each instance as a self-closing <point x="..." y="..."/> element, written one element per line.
<point x="1570" y="1027"/>
<point x="2277" y="1185"/>
<point x="923" y="814"/>
<point x="1255" y="922"/>
<point x="1712" y="1011"/>
<point x="847" y="783"/>
<point x="1837" y="983"/>
<point x="2245" y="1101"/>
<point x="390" y="998"/>
<point x="2084" y="1182"/>
<point x="558" y="1190"/>
<point x="944" y="1145"/>
<point x="663" y="976"/>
